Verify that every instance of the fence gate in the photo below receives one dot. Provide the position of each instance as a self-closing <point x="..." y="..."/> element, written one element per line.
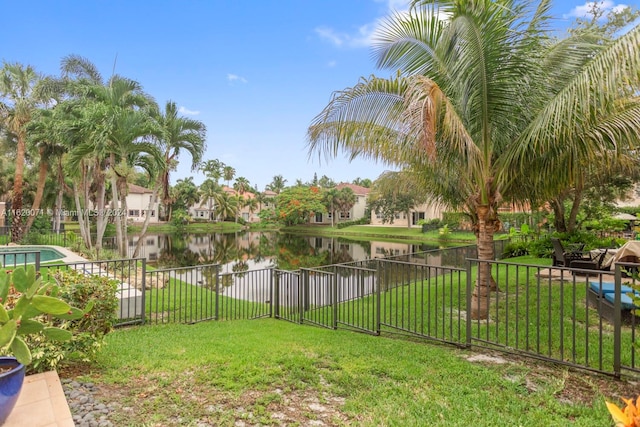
<point x="317" y="296"/>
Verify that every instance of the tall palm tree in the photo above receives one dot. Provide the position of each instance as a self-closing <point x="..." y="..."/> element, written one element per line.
<point x="228" y="172"/>
<point x="277" y="184"/>
<point x="44" y="137"/>
<point x="482" y="96"/>
<point x="178" y="134"/>
<point x="346" y="199"/>
<point x="101" y="107"/>
<point x="330" y="198"/>
<point x="210" y="192"/>
<point x="241" y="185"/>
<point x="19" y="87"/>
<point x="228" y="206"/>
<point x="212" y="169"/>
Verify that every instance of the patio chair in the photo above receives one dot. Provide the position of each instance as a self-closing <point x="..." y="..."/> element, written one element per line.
<point x="564" y="257"/>
<point x="601" y="295"/>
<point x="595" y="263"/>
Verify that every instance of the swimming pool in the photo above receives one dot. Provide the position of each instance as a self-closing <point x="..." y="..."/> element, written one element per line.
<point x="15" y="255"/>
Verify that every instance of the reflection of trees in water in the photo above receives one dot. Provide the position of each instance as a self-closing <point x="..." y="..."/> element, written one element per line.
<point x="286" y="251"/>
<point x="295" y="252"/>
<point x="176" y="252"/>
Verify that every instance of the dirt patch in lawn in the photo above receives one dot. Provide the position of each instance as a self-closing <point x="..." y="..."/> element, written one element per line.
<point x="177" y="402"/>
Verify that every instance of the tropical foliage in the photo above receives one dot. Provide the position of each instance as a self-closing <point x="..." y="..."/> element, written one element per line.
<point x="486" y="105"/>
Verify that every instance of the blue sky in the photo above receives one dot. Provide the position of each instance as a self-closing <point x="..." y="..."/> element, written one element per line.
<point x="254" y="72"/>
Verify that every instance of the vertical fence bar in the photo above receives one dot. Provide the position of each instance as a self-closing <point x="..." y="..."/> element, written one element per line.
<point x="468" y="307"/>
<point x="617" y="321"/>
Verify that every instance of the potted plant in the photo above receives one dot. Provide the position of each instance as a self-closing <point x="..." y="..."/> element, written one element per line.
<point x="27" y="306"/>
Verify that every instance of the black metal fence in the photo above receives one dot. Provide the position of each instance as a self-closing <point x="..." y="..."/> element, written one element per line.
<point x="128" y="274"/>
<point x="39" y="237"/>
<point x="581" y="318"/>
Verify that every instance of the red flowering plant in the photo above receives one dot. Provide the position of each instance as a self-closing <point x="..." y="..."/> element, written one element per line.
<point x="27" y="307"/>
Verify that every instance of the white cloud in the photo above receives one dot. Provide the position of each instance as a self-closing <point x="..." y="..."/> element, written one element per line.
<point x="332" y="64"/>
<point x="183" y="110"/>
<point x="583" y="10"/>
<point x="364" y="35"/>
<point x="236" y="78"/>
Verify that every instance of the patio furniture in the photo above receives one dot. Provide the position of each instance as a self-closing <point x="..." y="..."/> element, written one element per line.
<point x="563" y="257"/>
<point x="601" y="295"/>
<point x="595" y="262"/>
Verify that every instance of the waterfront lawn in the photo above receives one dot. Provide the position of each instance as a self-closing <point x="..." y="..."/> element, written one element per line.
<point x="271" y="372"/>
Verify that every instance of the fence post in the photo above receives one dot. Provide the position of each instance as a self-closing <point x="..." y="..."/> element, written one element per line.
<point x="334" y="287"/>
<point x="302" y="285"/>
<point x="617" y="322"/>
<point x="273" y="293"/>
<point x="217" y="302"/>
<point x="468" y="308"/>
<point x="37" y="260"/>
<point x="378" y="283"/>
<point x="144" y="289"/>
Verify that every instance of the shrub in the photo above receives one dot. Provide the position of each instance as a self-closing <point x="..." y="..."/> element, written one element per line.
<point x="90" y="330"/>
<point x="514" y="249"/>
<point x="444" y="233"/>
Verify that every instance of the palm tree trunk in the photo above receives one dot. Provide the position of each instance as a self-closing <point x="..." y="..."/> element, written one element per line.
<point x="42" y="178"/>
<point x="101" y="219"/>
<point x="118" y="218"/>
<point x="16" y="203"/>
<point x="83" y="221"/>
<point x="484" y="284"/>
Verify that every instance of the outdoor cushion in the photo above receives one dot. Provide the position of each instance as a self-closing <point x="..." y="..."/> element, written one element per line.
<point x="626" y="301"/>
<point x="607" y="288"/>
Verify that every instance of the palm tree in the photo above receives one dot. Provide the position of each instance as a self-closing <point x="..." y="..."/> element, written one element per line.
<point x="241" y="185"/>
<point x="212" y="169"/>
<point x="480" y="96"/>
<point x="277" y="184"/>
<point x="45" y="137"/>
<point x="104" y="109"/>
<point x="228" y="206"/>
<point x="346" y="199"/>
<point x="228" y="172"/>
<point x="210" y="193"/>
<point x="177" y="134"/>
<point x="331" y="198"/>
<point x="19" y="86"/>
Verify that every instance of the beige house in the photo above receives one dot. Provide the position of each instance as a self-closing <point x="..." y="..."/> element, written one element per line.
<point x="426" y="211"/>
<point x="356" y="212"/>
<point x="138" y="204"/>
<point x="203" y="209"/>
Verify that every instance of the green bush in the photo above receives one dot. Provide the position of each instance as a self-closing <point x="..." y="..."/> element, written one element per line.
<point x="515" y="249"/>
<point x="88" y="332"/>
<point x="361" y="221"/>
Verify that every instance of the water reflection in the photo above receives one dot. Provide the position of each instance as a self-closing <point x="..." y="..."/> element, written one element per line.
<point x="241" y="252"/>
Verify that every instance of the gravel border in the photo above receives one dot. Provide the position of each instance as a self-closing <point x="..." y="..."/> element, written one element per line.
<point x="85" y="409"/>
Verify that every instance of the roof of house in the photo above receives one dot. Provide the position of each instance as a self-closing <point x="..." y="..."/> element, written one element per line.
<point x="357" y="189"/>
<point x="136" y="189"/>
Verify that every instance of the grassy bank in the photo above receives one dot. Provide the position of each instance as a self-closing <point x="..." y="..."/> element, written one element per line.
<point x="270" y="372"/>
<point x="354" y="232"/>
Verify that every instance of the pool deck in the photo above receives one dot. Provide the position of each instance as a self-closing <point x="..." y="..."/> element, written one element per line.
<point x="69" y="256"/>
<point x="41" y="403"/>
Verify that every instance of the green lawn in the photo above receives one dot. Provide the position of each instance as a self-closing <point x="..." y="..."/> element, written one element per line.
<point x="270" y="372"/>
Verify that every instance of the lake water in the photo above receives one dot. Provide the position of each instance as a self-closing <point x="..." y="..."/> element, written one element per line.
<point x="255" y="250"/>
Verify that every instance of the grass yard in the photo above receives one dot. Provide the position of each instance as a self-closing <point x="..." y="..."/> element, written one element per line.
<point x="271" y="372"/>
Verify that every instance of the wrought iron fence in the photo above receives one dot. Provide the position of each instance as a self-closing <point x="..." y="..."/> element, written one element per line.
<point x="194" y="294"/>
<point x="576" y="317"/>
<point x="38" y="237"/>
<point x="129" y="275"/>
